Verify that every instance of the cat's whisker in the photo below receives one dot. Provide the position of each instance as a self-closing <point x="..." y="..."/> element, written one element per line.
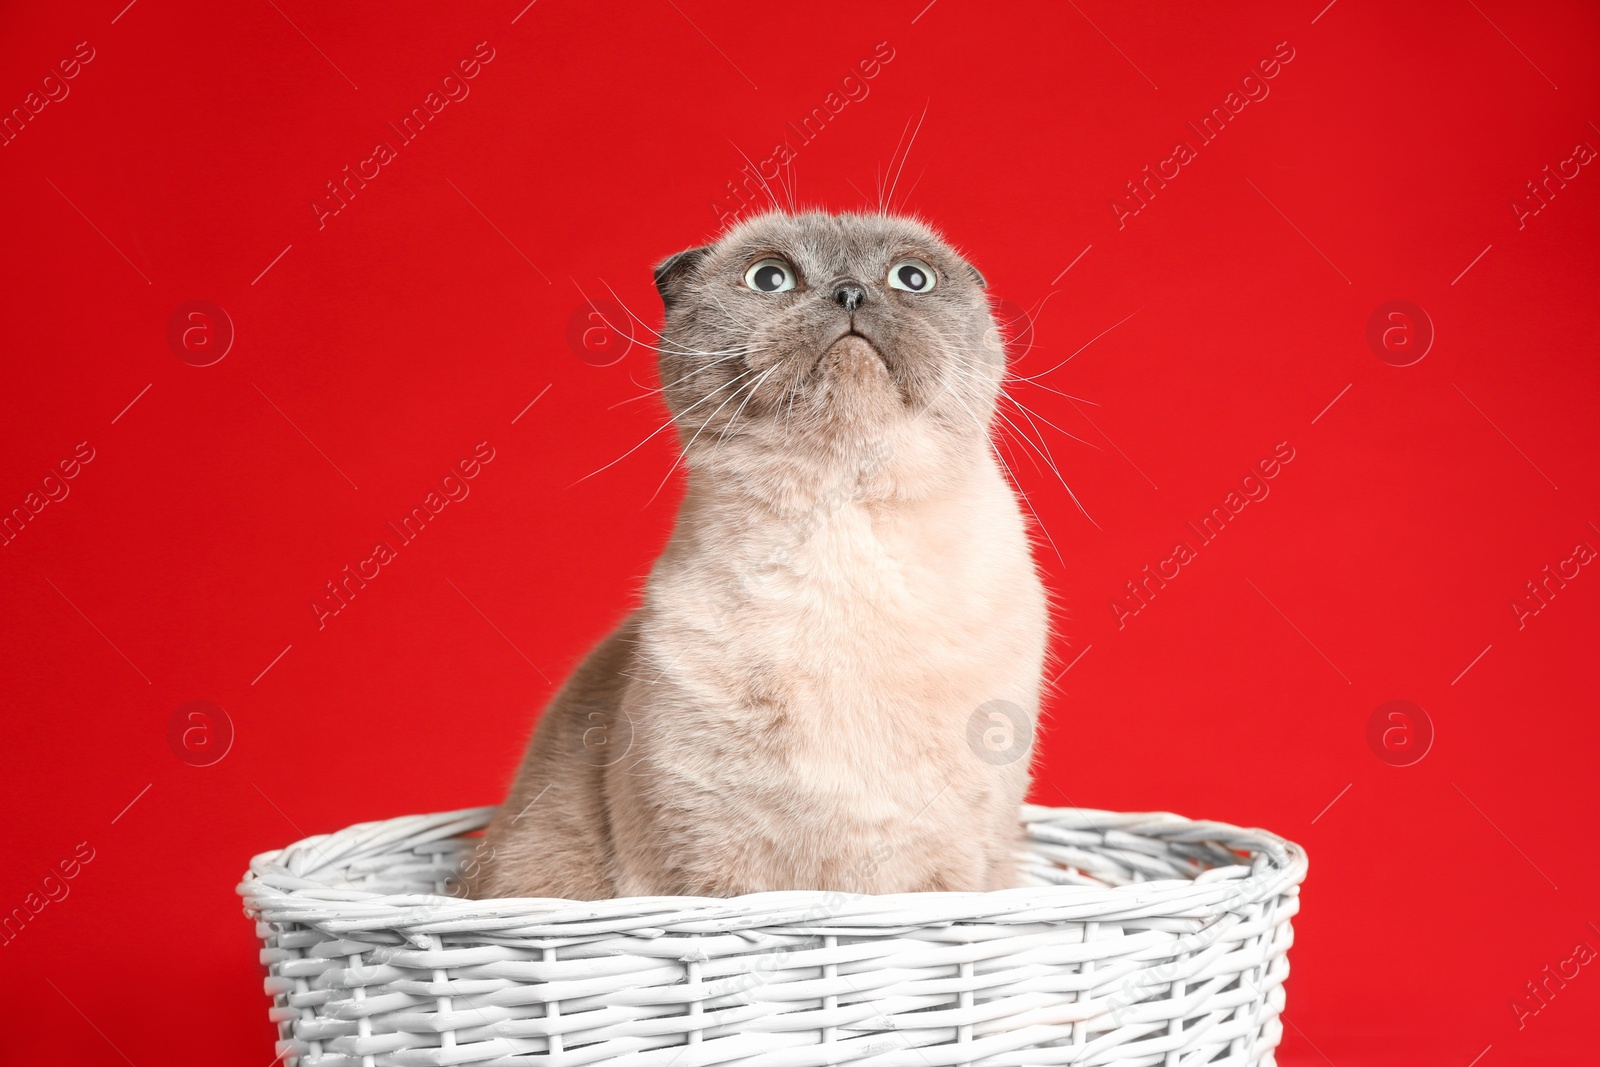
<point x="1028" y="413"/>
<point x="684" y="452"/>
<point x="1050" y="389"/>
<point x="1034" y="511"/>
<point x="878" y="177"/>
<point x="693" y="353"/>
<point x="761" y="177"/>
<point x="621" y="303"/>
<point x="1086" y="344"/>
<point x="671" y="421"/>
<point x="1044" y="452"/>
<point x="678" y="349"/>
<point x="624" y="456"/>
<point x="920" y="176"/>
<point x="1038" y="308"/>
<point x="662" y="389"/>
<point x="789" y="183"/>
<point x="630" y="312"/>
<point x="1038" y="447"/>
<point x="1013" y="378"/>
<point x="731" y="396"/>
<point x="1017" y="487"/>
<point x="1050" y="459"/>
<point x="901" y="167"/>
<point x="750" y="393"/>
<point x="682" y="350"/>
<point x="650" y="391"/>
<point x="791" y="391"/>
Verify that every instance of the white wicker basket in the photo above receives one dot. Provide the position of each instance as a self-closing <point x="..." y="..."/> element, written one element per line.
<point x="1143" y="939"/>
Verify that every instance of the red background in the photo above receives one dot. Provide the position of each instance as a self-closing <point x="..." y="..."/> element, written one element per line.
<point x="377" y="351"/>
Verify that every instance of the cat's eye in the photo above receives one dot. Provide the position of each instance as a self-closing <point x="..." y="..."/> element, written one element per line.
<point x="770" y="276"/>
<point x="911" y="275"/>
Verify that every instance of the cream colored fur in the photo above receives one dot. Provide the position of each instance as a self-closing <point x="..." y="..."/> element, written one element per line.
<point x="791" y="705"/>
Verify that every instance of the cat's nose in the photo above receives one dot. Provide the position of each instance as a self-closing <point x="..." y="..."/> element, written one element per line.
<point x="849" y="296"/>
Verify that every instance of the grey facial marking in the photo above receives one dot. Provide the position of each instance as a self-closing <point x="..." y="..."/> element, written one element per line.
<point x="787" y="333"/>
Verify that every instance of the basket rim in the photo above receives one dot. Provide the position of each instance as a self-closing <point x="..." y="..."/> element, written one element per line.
<point x="278" y="887"/>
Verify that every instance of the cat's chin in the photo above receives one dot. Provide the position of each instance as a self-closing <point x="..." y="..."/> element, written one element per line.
<point x="853" y="358"/>
<point x="859" y="385"/>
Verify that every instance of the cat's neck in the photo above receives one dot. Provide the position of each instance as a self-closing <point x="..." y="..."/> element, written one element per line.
<point x="886" y="475"/>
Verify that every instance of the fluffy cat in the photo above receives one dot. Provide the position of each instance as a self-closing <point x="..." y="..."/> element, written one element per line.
<point x="833" y="677"/>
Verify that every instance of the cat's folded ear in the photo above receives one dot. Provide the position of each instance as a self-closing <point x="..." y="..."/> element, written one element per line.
<point x="674" y="271"/>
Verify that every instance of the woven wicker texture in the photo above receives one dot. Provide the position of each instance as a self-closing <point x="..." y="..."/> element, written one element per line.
<point x="1141" y="939"/>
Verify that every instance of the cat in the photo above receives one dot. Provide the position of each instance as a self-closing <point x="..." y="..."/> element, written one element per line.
<point x="832" y="681"/>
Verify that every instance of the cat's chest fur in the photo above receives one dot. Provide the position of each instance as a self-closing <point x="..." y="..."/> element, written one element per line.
<point x="846" y="613"/>
<point x="830" y="674"/>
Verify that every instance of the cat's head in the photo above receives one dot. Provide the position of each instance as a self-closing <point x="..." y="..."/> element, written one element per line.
<point x="817" y="337"/>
